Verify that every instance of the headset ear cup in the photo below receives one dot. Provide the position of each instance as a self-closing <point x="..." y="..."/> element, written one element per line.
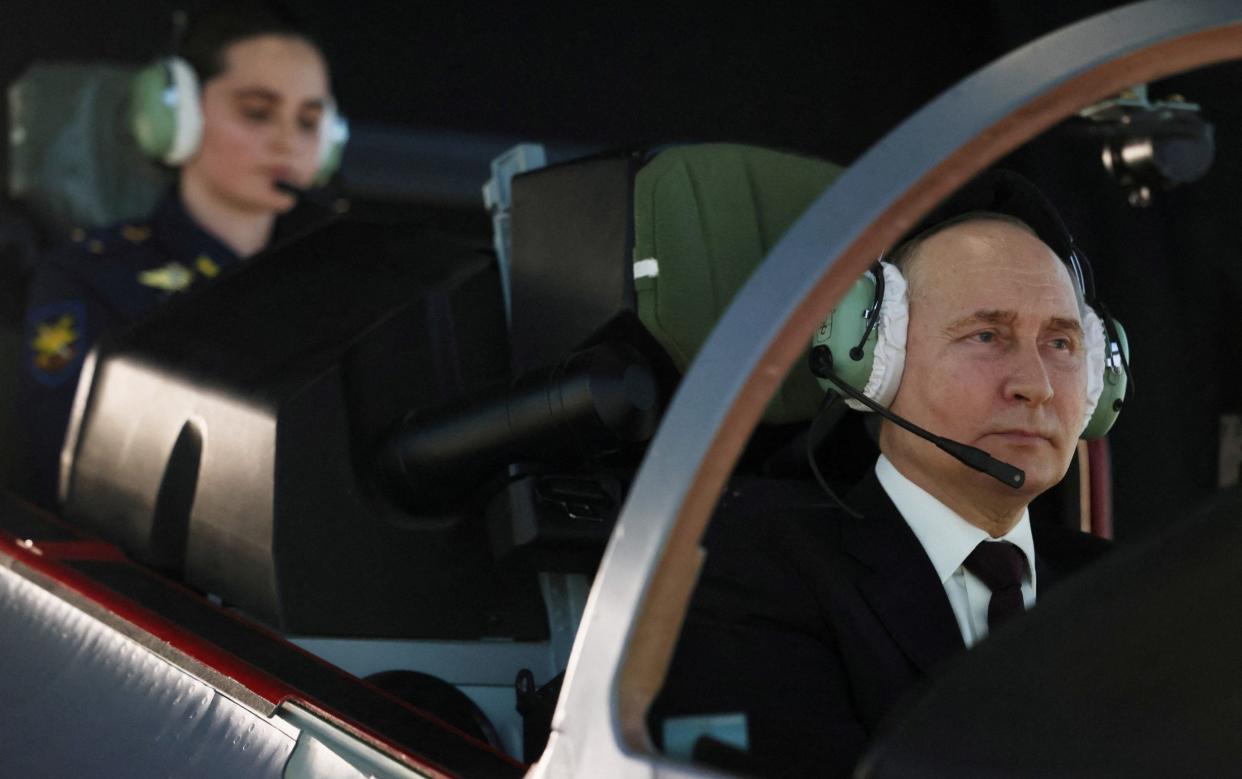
<point x="873" y="366"/>
<point x="152" y="121"/>
<point x="333" y="135"/>
<point x="842" y="330"/>
<point x="165" y="114"/>
<point x="1116" y="379"/>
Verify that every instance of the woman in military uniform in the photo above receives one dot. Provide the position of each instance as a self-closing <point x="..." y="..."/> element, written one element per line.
<point x="251" y="110"/>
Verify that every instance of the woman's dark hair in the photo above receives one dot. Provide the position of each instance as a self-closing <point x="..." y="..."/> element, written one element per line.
<point x="220" y="24"/>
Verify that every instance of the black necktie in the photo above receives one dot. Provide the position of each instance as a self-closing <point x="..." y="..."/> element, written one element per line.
<point x="1000" y="565"/>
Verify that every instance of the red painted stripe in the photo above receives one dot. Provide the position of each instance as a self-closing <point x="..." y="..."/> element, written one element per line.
<point x="264" y="685"/>
<point x="74" y="550"/>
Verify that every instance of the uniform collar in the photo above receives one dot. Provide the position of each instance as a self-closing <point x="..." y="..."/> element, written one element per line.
<point x="182" y="238"/>
<point x="946" y="537"/>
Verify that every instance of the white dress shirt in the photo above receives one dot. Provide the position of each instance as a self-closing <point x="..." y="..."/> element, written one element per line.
<point x="948" y="540"/>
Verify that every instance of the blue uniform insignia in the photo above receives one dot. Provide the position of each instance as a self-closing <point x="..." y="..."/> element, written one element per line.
<point x="56" y="345"/>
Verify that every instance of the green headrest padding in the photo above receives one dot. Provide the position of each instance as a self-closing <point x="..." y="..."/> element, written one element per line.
<point x="708" y="214"/>
<point x="72" y="159"/>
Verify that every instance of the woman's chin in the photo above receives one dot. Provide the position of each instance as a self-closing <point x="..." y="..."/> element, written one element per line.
<point x="285" y="203"/>
<point x="271" y="201"/>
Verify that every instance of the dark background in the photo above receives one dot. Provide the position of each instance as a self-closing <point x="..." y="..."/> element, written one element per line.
<point x="439" y="89"/>
<point x="824" y="78"/>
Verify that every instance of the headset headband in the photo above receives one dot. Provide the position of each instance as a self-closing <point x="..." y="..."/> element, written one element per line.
<point x="1009" y="193"/>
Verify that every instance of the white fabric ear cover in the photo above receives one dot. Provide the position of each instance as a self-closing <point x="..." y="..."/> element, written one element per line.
<point x="1096" y="344"/>
<point x="183" y="96"/>
<point x="889" y="356"/>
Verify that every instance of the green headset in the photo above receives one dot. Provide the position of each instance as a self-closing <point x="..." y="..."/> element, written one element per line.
<point x="166" y="118"/>
<point x="865" y="334"/>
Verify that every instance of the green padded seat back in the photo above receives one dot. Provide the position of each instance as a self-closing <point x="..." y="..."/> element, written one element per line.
<point x="705" y="216"/>
<point x="72" y="159"/>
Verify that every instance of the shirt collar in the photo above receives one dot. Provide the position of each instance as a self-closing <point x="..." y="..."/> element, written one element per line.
<point x="946" y="537"/>
<point x="183" y="238"/>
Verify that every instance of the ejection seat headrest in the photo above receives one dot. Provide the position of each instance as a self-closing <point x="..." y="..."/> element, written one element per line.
<point x="705" y="216"/>
<point x="72" y="159"/>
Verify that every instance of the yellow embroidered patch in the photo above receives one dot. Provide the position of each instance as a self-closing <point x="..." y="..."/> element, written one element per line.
<point x="55" y="343"/>
<point x="207" y="266"/>
<point x="172" y="277"/>
<point x="96" y="247"/>
<point x="135" y="233"/>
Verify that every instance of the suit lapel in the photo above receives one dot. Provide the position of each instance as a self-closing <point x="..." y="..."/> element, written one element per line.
<point x="1045" y="577"/>
<point x="1047" y="572"/>
<point x="902" y="587"/>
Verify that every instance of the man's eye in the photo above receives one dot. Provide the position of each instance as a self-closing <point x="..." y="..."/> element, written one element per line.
<point x="1061" y="344"/>
<point x="257" y="115"/>
<point x="985" y="336"/>
<point x="308" y="124"/>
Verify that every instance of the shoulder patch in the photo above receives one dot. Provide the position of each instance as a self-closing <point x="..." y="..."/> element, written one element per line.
<point x="206" y="266"/>
<point x="172" y="277"/>
<point x="56" y="341"/>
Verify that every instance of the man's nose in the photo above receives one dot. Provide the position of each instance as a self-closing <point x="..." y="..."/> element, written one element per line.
<point x="1028" y="380"/>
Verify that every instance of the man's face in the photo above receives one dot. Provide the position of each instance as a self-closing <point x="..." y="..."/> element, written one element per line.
<point x="995" y="359"/>
<point x="261" y="119"/>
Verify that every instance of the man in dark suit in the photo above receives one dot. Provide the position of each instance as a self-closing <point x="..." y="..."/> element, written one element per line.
<point x="812" y="622"/>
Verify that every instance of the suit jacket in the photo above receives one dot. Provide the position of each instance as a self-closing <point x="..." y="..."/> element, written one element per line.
<point x="815" y="623"/>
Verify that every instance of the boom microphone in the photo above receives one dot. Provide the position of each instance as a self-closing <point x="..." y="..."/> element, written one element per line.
<point x="315" y="210"/>
<point x="314" y="197"/>
<point x="972" y="457"/>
